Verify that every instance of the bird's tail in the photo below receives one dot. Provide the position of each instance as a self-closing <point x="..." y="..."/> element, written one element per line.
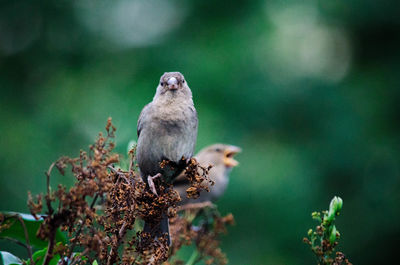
<point x="159" y="229"/>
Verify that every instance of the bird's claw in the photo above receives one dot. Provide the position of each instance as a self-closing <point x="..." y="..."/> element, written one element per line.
<point x="150" y="181"/>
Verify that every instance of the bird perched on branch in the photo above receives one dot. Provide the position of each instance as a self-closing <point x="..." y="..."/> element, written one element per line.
<point x="167" y="131"/>
<point x="221" y="157"/>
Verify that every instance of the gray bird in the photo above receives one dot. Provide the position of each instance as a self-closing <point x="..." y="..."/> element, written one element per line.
<point x="221" y="157"/>
<point x="167" y="130"/>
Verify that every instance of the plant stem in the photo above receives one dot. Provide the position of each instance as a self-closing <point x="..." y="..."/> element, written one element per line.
<point x="196" y="205"/>
<point x="21" y="244"/>
<point x="193" y="259"/>
<point x="50" y="247"/>
<point x="28" y="245"/>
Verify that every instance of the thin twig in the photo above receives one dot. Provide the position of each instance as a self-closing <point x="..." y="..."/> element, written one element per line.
<point x="198" y="205"/>
<point x="73" y="244"/>
<point x="28" y="245"/>
<point x="119" y="173"/>
<point x="80" y="257"/>
<point x="50" y="246"/>
<point x="48" y="173"/>
<point x="80" y="230"/>
<point x="132" y="160"/>
<point x="52" y="234"/>
<point x="130" y="165"/>
<point x="94" y="201"/>
<point x="115" y="246"/>
<point x="16" y="241"/>
<point x="48" y="195"/>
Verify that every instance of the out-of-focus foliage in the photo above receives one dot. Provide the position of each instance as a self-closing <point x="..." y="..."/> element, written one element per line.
<point x="308" y="89"/>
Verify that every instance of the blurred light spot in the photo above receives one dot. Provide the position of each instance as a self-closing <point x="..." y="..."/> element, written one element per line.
<point x="293" y="18"/>
<point x="20" y="26"/>
<point x="131" y="23"/>
<point x="301" y="46"/>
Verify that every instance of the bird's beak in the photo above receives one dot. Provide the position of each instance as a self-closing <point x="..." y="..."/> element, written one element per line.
<point x="172" y="83"/>
<point x="229" y="153"/>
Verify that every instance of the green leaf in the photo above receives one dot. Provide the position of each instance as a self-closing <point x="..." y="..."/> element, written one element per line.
<point x="16" y="230"/>
<point x="332" y="237"/>
<point x="8" y="258"/>
<point x="38" y="257"/>
<point x="95" y="262"/>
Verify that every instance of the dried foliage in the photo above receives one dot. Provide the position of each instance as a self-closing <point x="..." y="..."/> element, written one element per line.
<point x="205" y="234"/>
<point x="198" y="178"/>
<point x="341" y="259"/>
<point x="100" y="212"/>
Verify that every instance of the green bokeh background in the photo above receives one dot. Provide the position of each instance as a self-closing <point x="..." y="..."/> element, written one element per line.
<point x="309" y="90"/>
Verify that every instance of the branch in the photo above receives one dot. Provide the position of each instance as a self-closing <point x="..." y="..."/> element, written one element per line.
<point x="48" y="173"/>
<point x="28" y="245"/>
<point x="48" y="195"/>
<point x="198" y="205"/>
<point x="119" y="173"/>
<point x="79" y="231"/>
<point x="116" y="244"/>
<point x="50" y="246"/>
<point x="17" y="242"/>
<point x="52" y="234"/>
<point x="80" y="257"/>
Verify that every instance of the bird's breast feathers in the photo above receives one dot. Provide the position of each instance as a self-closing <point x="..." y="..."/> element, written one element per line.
<point x="171" y="132"/>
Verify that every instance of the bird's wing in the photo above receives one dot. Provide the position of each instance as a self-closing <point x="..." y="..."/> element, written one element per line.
<point x="193" y="124"/>
<point x="141" y="119"/>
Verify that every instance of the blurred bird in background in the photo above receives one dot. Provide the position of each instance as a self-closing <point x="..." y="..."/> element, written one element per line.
<point x="221" y="157"/>
<point x="167" y="130"/>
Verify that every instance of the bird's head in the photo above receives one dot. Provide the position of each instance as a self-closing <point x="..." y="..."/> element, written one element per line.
<point x="219" y="155"/>
<point x="173" y="83"/>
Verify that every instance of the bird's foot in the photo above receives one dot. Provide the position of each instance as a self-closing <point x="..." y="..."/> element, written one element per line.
<point x="150" y="181"/>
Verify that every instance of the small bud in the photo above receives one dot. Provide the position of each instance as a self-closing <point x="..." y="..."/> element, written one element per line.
<point x="316" y="216"/>
<point x="336" y="205"/>
<point x="332" y="237"/>
<point x="310" y="232"/>
<point x="334" y="209"/>
<point x="339" y="205"/>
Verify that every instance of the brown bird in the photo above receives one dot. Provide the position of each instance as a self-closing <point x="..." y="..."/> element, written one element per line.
<point x="167" y="130"/>
<point x="221" y="157"/>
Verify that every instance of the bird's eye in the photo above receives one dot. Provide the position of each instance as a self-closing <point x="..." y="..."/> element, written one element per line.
<point x="217" y="150"/>
<point x="161" y="84"/>
<point x="183" y="81"/>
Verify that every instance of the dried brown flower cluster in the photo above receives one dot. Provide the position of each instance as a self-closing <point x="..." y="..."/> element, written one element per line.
<point x="205" y="235"/>
<point x="100" y="212"/>
<point x="341" y="259"/>
<point x="198" y="178"/>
